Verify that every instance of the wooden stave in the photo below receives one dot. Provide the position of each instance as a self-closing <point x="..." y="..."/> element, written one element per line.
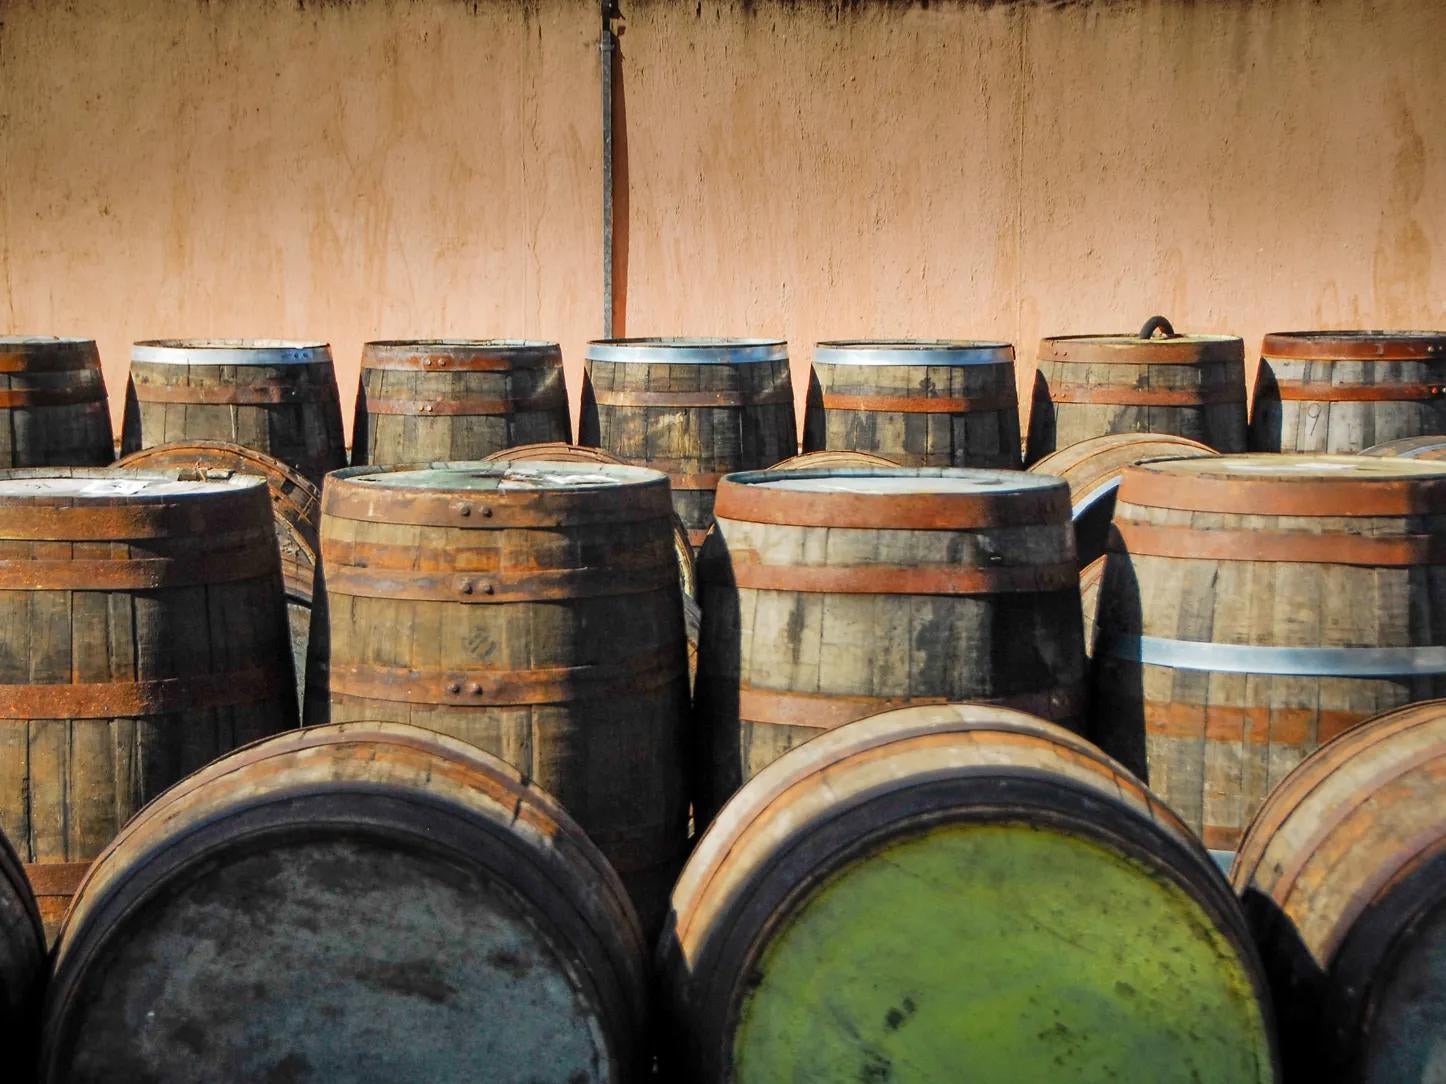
<point x="1207" y="373"/>
<point x="1339" y="864"/>
<point x="63" y="368"/>
<point x="243" y="523"/>
<point x="856" y="427"/>
<point x="1090" y="578"/>
<point x="646" y="863"/>
<point x="1093" y="469"/>
<point x="1303" y="710"/>
<point x="835" y="457"/>
<point x="723" y="905"/>
<point x="306" y="393"/>
<point x="1415" y="361"/>
<point x="729" y="739"/>
<point x="1422" y="447"/>
<point x="573" y="891"/>
<point x="759" y="392"/>
<point x="456" y="370"/>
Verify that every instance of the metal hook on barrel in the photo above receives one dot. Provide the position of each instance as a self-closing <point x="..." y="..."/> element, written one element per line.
<point x="1157" y="323"/>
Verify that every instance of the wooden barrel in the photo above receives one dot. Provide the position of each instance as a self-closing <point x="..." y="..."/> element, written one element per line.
<point x="296" y="508"/>
<point x="365" y="902"/>
<point x="145" y="635"/>
<point x="53" y="408"/>
<point x="957" y="892"/>
<point x="922" y="403"/>
<point x="1090" y="578"/>
<point x="22" y="964"/>
<point x="1095" y="385"/>
<point x="276" y="397"/>
<point x="832" y="459"/>
<point x="1343" y="876"/>
<point x="1342" y="391"/>
<point x="696" y="409"/>
<point x="531" y="609"/>
<point x="1253" y="607"/>
<point x="836" y="593"/>
<point x="421" y="401"/>
<point x="1427" y="447"/>
<point x="1093" y="469"/>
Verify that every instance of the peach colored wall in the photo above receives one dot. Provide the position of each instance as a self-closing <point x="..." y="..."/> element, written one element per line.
<point x="373" y="168"/>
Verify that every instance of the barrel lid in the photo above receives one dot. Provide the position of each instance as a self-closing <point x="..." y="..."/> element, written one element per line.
<point x="1428" y="447"/>
<point x="903" y="498"/>
<point x="12" y="342"/>
<point x="688" y="351"/>
<point x="941" y="352"/>
<point x="46" y="484"/>
<point x="1290" y="485"/>
<point x="511" y="477"/>
<point x="462" y="344"/>
<point x="1355" y="345"/>
<point x="1122" y="348"/>
<point x="231" y="352"/>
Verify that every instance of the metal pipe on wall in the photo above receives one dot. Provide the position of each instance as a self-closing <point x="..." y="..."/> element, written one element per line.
<point x="607" y="44"/>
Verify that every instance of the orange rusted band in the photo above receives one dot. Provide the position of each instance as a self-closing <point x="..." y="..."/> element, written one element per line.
<point x="463" y="361"/>
<point x="890" y="404"/>
<point x="1253" y="725"/>
<point x="748" y="573"/>
<point x="1221" y="837"/>
<point x="118" y="699"/>
<point x="141" y="573"/>
<point x="465" y="407"/>
<point x="696" y="537"/>
<point x="1283" y="497"/>
<point x="350" y="498"/>
<point x="252" y="394"/>
<point x="1325" y="392"/>
<point x="61" y="360"/>
<point x="692" y="482"/>
<point x="99" y="521"/>
<point x="507" y="688"/>
<point x="1205" y="395"/>
<point x="1210" y="544"/>
<point x="492" y="587"/>
<point x="918" y="512"/>
<point x="46" y="397"/>
<point x="825" y="711"/>
<point x="1346" y="347"/>
<point x="711" y="399"/>
<point x="56" y="878"/>
<point x="1127" y="350"/>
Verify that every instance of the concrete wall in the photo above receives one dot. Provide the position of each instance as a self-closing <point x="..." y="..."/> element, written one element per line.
<point x="384" y="168"/>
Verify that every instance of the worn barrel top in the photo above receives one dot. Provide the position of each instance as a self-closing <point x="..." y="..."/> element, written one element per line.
<point x="460" y="355"/>
<point x="1124" y="349"/>
<point x="942" y="352"/>
<point x="670" y="351"/>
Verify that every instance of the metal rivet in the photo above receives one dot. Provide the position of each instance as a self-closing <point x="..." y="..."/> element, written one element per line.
<point x="487" y="589"/>
<point x="486" y="512"/>
<point x="454" y="687"/>
<point x="464" y="509"/>
<point x="475" y="689"/>
<point x="466" y="587"/>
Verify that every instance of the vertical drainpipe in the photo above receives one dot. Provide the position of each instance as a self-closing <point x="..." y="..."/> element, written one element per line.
<point x="608" y="45"/>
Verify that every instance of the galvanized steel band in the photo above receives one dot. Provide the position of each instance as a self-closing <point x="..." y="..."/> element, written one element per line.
<point x="181" y="352"/>
<point x="688" y="351"/>
<point x="750" y="574"/>
<point x="1348" y="662"/>
<point x="941" y="353"/>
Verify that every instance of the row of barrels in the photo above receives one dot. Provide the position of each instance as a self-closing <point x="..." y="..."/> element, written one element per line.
<point x="698" y="409"/>
<point x="931" y="887"/>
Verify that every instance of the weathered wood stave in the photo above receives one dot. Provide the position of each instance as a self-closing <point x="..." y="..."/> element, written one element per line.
<point x="331" y="901"/>
<point x="921" y="403"/>
<point x="870" y="798"/>
<point x="448" y="400"/>
<point x="147" y="637"/>
<point x="1093" y="468"/>
<point x="1425" y="447"/>
<point x="927" y="585"/>
<point x="833" y="458"/>
<point x="1343" y="391"/>
<point x="696" y="409"/>
<point x="1253" y="607"/>
<point x="542" y="624"/>
<point x="274" y="396"/>
<point x="1094" y="385"/>
<point x="53" y="406"/>
<point x="1343" y="876"/>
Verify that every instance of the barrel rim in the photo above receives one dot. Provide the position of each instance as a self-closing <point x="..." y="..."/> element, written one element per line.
<point x="1354" y="345"/>
<point x="206" y="487"/>
<point x="945" y="353"/>
<point x="548" y="345"/>
<point x="221" y="351"/>
<point x="12" y="342"/>
<point x="685" y="350"/>
<point x="1125" y="348"/>
<point x="625" y="474"/>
